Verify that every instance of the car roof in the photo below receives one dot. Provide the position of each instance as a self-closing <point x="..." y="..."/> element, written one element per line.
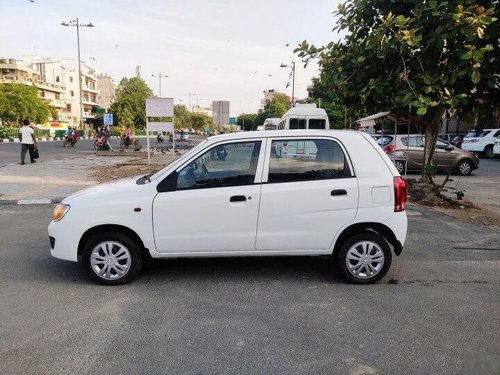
<point x="281" y="133"/>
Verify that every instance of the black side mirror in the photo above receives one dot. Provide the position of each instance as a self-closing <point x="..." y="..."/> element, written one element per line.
<point x="449" y="148"/>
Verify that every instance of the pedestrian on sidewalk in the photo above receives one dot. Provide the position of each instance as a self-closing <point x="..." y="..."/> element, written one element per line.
<point x="28" y="141"/>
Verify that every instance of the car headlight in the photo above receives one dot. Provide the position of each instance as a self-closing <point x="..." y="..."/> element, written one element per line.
<point x="60" y="211"/>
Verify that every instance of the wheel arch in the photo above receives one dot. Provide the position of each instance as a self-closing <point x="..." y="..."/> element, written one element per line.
<point x="378" y="228"/>
<point x="113" y="228"/>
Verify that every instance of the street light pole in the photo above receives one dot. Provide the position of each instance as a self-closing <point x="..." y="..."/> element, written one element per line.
<point x="77" y="24"/>
<point x="159" y="76"/>
<point x="292" y="65"/>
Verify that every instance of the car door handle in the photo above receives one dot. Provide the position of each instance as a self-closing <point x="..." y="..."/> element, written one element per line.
<point x="238" y="198"/>
<point x="337" y="192"/>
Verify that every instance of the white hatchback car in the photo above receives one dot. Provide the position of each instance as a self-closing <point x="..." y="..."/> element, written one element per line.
<point x="269" y="193"/>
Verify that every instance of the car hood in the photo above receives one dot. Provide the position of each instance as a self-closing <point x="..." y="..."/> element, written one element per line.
<point x="105" y="191"/>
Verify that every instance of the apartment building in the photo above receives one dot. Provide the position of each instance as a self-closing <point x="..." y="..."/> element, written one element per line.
<point x="106" y="87"/>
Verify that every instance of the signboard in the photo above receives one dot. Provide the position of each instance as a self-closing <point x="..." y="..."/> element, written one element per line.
<point x="160" y="126"/>
<point x="108" y="119"/>
<point x="160" y="107"/>
<point x="232" y="120"/>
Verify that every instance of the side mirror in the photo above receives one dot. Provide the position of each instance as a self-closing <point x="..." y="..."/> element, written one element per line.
<point x="449" y="148"/>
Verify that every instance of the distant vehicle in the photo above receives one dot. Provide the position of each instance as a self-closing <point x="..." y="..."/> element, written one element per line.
<point x="182" y="136"/>
<point x="457" y="141"/>
<point x="229" y="196"/>
<point x="271" y="123"/>
<point x="446" y="156"/>
<point x="304" y="116"/>
<point x="448" y="138"/>
<point x="482" y="142"/>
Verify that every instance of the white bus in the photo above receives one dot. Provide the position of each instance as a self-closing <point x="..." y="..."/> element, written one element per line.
<point x="304" y="116"/>
<point x="271" y="123"/>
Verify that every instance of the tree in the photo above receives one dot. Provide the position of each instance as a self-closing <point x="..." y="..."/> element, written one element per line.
<point x="436" y="57"/>
<point x="248" y="121"/>
<point x="277" y="106"/>
<point x="19" y="101"/>
<point x="129" y="106"/>
<point x="182" y="117"/>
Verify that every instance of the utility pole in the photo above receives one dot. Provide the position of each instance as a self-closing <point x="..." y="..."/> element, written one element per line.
<point x="292" y="65"/>
<point x="77" y="24"/>
<point x="159" y="76"/>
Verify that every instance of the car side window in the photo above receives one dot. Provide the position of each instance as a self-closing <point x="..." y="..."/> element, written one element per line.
<point x="297" y="123"/>
<point x="230" y="164"/>
<point x="306" y="160"/>
<point x="497" y="134"/>
<point x="413" y="141"/>
<point x="317" y="123"/>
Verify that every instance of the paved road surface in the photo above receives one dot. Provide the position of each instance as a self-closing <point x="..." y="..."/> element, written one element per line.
<point x="435" y="313"/>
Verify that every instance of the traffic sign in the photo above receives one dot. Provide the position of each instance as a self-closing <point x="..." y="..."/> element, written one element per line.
<point x="108" y="119"/>
<point x="232" y="120"/>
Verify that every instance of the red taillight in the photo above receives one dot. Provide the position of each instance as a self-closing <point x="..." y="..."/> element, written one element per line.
<point x="389" y="148"/>
<point x="400" y="193"/>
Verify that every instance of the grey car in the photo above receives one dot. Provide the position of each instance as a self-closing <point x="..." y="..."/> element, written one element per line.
<point x="446" y="156"/>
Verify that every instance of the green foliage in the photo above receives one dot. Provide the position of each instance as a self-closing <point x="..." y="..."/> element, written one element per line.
<point x="431" y="55"/>
<point x="275" y="107"/>
<point x="248" y="121"/>
<point x="18" y="101"/>
<point x="189" y="120"/>
<point x="129" y="106"/>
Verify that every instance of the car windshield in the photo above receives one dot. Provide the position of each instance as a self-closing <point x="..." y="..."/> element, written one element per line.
<point x="471" y="134"/>
<point x="187" y="155"/>
<point x="384" y="141"/>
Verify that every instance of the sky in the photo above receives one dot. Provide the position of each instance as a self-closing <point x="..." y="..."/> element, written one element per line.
<point x="213" y="49"/>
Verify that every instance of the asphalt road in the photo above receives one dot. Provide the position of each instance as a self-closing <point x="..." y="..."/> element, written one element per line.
<point x="11" y="152"/>
<point x="436" y="312"/>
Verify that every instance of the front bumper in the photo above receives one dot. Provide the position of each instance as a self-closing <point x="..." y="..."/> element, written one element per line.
<point x="63" y="241"/>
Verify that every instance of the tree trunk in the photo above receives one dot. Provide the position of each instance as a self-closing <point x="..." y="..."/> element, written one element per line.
<point x="431" y="133"/>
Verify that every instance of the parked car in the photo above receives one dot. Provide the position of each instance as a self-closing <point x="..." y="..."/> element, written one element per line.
<point x="183" y="136"/>
<point x="482" y="142"/>
<point x="448" y="138"/>
<point x="446" y="156"/>
<point x="344" y="198"/>
<point x="496" y="147"/>
<point x="457" y="141"/>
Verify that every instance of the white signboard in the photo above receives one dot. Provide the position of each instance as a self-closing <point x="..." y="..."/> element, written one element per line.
<point x="162" y="107"/>
<point x="160" y="126"/>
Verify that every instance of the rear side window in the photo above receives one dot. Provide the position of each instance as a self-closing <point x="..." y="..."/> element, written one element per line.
<point x="317" y="123"/>
<point x="307" y="160"/>
<point x="496" y="134"/>
<point x="384" y="141"/>
<point x="485" y="133"/>
<point x="413" y="141"/>
<point x="297" y="123"/>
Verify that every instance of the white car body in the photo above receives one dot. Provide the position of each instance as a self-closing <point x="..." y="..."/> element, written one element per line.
<point x="496" y="147"/>
<point x="483" y="143"/>
<point x="271" y="123"/>
<point x="304" y="116"/>
<point x="290" y="218"/>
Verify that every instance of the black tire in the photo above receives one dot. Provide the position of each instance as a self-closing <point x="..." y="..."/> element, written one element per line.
<point x="341" y="258"/>
<point x="399" y="166"/>
<point x="488" y="152"/>
<point x="464" y="168"/>
<point x="136" y="259"/>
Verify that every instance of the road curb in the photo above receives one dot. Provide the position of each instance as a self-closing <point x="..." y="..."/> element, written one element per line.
<point x="53" y="139"/>
<point x="27" y="202"/>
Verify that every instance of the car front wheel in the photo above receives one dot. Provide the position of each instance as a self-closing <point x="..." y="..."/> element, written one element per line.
<point x="364" y="258"/>
<point x="464" y="168"/>
<point x="112" y="258"/>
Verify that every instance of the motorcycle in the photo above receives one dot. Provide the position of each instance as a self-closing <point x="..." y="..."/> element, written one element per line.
<point x="126" y="142"/>
<point x="101" y="144"/>
<point x="160" y="137"/>
<point x="70" y="140"/>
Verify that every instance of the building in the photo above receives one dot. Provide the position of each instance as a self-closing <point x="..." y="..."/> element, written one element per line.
<point x="268" y="95"/>
<point x="203" y="110"/>
<point x="106" y="88"/>
<point x="220" y="112"/>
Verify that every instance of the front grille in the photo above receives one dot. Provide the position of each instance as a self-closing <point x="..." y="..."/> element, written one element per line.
<point x="52" y="242"/>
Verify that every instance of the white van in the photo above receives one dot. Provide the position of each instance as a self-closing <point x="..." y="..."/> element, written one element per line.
<point x="305" y="116"/>
<point x="271" y="123"/>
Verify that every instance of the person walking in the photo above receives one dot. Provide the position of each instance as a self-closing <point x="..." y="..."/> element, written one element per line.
<point x="28" y="141"/>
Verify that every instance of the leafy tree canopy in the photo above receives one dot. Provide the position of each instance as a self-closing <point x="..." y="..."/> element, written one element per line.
<point x="434" y="56"/>
<point x="129" y="106"/>
<point x="18" y="101"/>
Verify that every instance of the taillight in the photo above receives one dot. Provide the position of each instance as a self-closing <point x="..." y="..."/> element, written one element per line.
<point x="389" y="148"/>
<point x="400" y="193"/>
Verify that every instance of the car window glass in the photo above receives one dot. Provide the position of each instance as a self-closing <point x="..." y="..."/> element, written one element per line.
<point x="296" y="123"/>
<point x="412" y="141"/>
<point x="471" y="135"/>
<point x="230" y="164"/>
<point x="316" y="123"/>
<point x="304" y="160"/>
<point x="485" y="133"/>
<point x="497" y="134"/>
<point x="384" y="141"/>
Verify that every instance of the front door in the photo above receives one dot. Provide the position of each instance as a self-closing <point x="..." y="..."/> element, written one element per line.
<point x="214" y="203"/>
<point x="308" y="194"/>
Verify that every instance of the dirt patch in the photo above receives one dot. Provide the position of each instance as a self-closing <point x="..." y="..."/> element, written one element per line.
<point x="460" y="209"/>
<point x="105" y="173"/>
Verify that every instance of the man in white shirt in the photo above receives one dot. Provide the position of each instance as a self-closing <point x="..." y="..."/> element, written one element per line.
<point x="28" y="141"/>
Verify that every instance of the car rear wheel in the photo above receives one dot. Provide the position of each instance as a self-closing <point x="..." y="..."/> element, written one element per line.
<point x="112" y="258"/>
<point x="488" y="152"/>
<point x="400" y="166"/>
<point x="464" y="168"/>
<point x="364" y="258"/>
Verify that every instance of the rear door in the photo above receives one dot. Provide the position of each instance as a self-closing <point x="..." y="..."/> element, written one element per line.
<point x="308" y="194"/>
